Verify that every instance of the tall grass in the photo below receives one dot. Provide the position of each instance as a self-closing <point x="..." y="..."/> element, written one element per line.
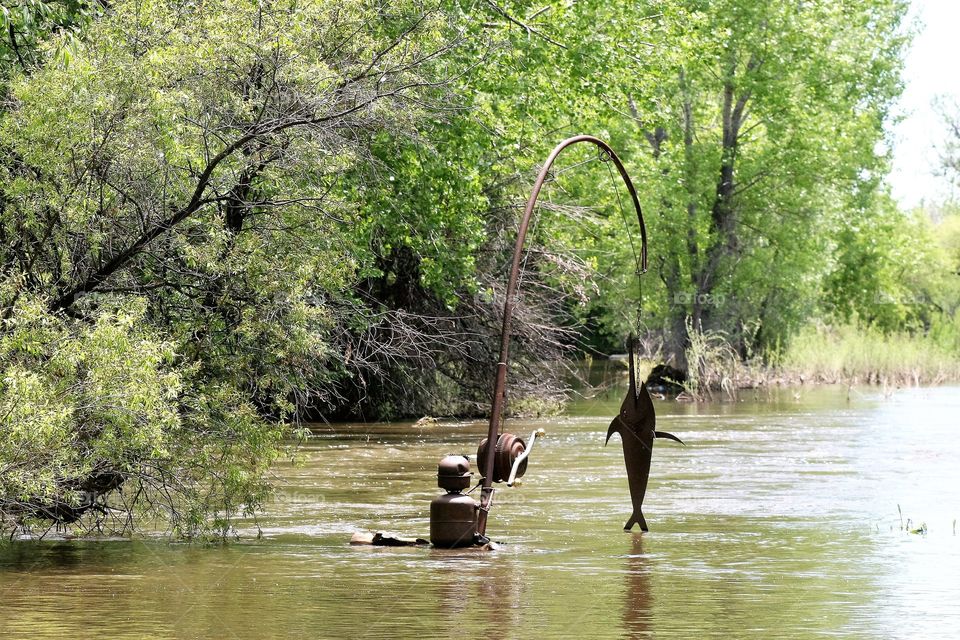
<point x="849" y="353"/>
<point x="714" y="365"/>
<point x="856" y="354"/>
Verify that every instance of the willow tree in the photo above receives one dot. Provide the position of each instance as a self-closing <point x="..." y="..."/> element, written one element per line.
<point x="761" y="138"/>
<point x="174" y="235"/>
<point x="27" y="26"/>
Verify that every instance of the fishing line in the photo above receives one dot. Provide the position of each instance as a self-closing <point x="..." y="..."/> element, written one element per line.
<point x="638" y="266"/>
<point x="574" y="166"/>
<point x="538" y="212"/>
<point x="604" y="158"/>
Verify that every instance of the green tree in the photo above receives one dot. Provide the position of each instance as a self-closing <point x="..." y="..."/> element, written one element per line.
<point x="26" y="25"/>
<point x="763" y="148"/>
<point x="189" y="161"/>
<point x="441" y="214"/>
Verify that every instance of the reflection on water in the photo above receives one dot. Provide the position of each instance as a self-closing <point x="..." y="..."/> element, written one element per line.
<point x="638" y="603"/>
<point x="779" y="519"/>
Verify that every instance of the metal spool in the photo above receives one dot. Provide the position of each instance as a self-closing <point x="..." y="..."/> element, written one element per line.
<point x="508" y="449"/>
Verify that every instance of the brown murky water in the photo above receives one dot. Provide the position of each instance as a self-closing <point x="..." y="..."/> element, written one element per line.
<point x="778" y="520"/>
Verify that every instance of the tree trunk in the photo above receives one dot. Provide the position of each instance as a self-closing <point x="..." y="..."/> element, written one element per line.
<point x="723" y="214"/>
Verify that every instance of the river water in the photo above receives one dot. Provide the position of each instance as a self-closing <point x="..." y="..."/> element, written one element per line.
<point x="779" y="519"/>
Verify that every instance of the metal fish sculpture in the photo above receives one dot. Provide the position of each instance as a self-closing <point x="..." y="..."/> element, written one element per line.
<point x="636" y="426"/>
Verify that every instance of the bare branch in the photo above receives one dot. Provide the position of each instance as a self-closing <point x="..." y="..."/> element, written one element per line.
<point x="530" y="30"/>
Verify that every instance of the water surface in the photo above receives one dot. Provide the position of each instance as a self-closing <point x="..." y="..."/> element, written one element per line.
<point x="779" y="519"/>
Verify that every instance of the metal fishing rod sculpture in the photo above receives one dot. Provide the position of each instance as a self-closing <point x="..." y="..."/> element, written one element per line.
<point x="455" y="519"/>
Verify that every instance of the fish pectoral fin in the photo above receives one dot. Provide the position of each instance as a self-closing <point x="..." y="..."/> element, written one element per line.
<point x="668" y="436"/>
<point x="614" y="428"/>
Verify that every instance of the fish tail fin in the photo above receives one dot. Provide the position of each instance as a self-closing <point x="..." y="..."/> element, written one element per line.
<point x="668" y="436"/>
<point x="636" y="518"/>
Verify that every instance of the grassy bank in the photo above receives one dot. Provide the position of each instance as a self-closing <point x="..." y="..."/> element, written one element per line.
<point x="848" y="354"/>
<point x="866" y="355"/>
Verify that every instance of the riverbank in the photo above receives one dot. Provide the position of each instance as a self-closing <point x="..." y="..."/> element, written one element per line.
<point x="857" y="355"/>
<point x="820" y="354"/>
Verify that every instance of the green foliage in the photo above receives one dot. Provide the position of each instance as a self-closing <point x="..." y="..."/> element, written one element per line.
<point x="948" y="236"/>
<point x="26" y="25"/>
<point x="426" y="200"/>
<point x="752" y="130"/>
<point x="187" y="161"/>
<point x="86" y="405"/>
<point x="759" y="139"/>
<point x="77" y="400"/>
<point x="888" y="272"/>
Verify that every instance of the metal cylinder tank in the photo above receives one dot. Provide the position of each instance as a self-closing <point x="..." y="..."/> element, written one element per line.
<point x="453" y="517"/>
<point x="453" y="520"/>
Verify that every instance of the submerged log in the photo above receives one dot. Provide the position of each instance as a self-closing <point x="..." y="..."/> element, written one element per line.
<point x="385" y="540"/>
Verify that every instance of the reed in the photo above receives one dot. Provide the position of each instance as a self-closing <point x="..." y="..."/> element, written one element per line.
<point x="826" y="354"/>
<point x="713" y="365"/>
<point x="856" y="354"/>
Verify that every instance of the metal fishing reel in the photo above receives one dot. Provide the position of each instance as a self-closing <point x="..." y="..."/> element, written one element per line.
<point x="510" y="456"/>
<point x="509" y="448"/>
<point x="506" y="461"/>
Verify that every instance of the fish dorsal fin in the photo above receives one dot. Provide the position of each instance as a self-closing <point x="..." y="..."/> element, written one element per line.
<point x="645" y="403"/>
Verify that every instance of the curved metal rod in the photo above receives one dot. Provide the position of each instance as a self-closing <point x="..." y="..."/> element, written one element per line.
<point x="486" y="494"/>
<point x="512" y="479"/>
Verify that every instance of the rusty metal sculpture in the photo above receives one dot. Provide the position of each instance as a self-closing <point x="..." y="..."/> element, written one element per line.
<point x="636" y="425"/>
<point x="506" y="460"/>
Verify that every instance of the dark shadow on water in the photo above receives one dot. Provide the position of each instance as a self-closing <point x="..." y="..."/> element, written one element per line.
<point x="80" y="556"/>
